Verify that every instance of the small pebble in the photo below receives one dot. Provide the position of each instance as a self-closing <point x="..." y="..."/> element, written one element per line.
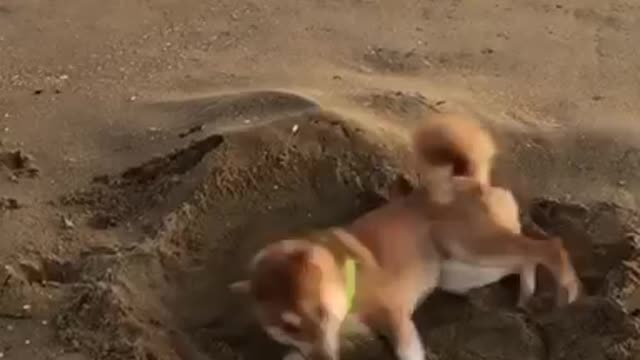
<point x="1" y="355"/>
<point x="67" y="223"/>
<point x="45" y="322"/>
<point x="9" y="327"/>
<point x="64" y="77"/>
<point x="365" y="69"/>
<point x="26" y="307"/>
<point x="295" y="128"/>
<point x="133" y="98"/>
<point x="27" y="342"/>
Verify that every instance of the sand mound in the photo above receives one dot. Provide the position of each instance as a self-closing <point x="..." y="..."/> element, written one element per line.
<point x="204" y="209"/>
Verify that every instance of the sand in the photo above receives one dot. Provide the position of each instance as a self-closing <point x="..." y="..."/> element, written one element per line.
<point x="149" y="148"/>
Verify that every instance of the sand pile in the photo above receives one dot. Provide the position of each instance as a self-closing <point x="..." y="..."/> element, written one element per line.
<point x="204" y="209"/>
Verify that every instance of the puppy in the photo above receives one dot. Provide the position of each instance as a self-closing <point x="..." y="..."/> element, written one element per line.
<point x="456" y="232"/>
<point x="461" y="150"/>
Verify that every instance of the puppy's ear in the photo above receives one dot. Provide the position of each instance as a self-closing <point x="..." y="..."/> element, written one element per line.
<point x="240" y="287"/>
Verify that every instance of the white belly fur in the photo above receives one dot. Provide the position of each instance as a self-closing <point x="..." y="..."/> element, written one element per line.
<point x="458" y="277"/>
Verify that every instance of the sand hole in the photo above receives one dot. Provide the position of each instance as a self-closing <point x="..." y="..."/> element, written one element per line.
<point x="18" y="164"/>
<point x="166" y="297"/>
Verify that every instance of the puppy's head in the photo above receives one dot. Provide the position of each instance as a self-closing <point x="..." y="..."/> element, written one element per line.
<point x="298" y="296"/>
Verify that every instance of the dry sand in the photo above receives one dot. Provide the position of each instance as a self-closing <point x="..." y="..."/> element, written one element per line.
<point x="148" y="148"/>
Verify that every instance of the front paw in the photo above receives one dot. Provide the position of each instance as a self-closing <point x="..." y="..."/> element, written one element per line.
<point x="523" y="303"/>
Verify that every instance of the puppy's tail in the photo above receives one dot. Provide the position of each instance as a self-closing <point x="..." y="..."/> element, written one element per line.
<point x="456" y="145"/>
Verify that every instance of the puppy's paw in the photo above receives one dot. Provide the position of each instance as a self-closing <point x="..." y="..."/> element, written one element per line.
<point x="411" y="351"/>
<point x="568" y="294"/>
<point x="523" y="303"/>
<point x="293" y="355"/>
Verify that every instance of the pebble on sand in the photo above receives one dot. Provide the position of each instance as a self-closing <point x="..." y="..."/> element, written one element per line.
<point x="67" y="223"/>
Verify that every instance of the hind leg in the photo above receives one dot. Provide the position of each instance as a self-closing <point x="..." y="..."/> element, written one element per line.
<point x="527" y="284"/>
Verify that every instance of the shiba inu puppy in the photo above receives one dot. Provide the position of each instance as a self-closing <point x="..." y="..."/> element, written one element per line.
<point x="457" y="232"/>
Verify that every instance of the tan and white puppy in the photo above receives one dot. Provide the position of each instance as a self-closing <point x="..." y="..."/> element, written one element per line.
<point x="457" y="233"/>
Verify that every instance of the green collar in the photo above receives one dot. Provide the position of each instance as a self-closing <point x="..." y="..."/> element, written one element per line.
<point x="350" y="281"/>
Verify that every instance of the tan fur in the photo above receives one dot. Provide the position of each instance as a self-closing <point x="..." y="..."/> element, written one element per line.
<point x="459" y="234"/>
<point x="455" y="141"/>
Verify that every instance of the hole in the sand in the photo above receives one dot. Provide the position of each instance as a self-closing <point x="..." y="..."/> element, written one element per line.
<point x="485" y="324"/>
<point x="18" y="163"/>
<point x="127" y="196"/>
<point x="172" y="292"/>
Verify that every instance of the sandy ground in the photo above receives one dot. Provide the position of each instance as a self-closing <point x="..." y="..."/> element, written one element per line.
<point x="148" y="147"/>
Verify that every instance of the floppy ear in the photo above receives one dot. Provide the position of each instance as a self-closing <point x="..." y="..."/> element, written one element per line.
<point x="240" y="287"/>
